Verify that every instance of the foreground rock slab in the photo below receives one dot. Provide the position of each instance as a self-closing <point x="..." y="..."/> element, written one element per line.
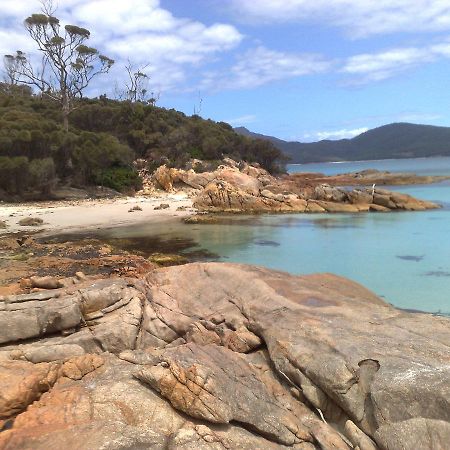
<point x="219" y="355"/>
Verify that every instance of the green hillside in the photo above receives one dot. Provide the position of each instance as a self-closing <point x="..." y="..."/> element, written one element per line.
<point x="104" y="139"/>
<point x="397" y="140"/>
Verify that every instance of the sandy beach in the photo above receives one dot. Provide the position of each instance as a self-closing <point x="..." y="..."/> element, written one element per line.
<point x="61" y="216"/>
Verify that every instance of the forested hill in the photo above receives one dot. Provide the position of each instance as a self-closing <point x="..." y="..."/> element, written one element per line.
<point x="397" y="140"/>
<point x="104" y="138"/>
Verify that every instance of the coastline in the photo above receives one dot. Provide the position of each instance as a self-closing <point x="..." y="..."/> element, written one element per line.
<point x="61" y="216"/>
<point x="366" y="160"/>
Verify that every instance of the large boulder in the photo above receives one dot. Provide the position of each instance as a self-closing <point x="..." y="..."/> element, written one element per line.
<point x="221" y="196"/>
<point x="239" y="180"/>
<point x="245" y="358"/>
<point x="329" y="193"/>
<point x="396" y="200"/>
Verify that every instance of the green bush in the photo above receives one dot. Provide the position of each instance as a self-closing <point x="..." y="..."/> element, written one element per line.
<point x="122" y="179"/>
<point x="14" y="174"/>
<point x="96" y="152"/>
<point x="42" y="174"/>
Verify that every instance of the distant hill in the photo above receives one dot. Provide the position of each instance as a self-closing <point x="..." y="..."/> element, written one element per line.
<point x="397" y="140"/>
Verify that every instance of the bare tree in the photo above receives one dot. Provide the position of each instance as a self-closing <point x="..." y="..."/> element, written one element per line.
<point x="67" y="65"/>
<point x="198" y="109"/>
<point x="136" y="86"/>
<point x="11" y="69"/>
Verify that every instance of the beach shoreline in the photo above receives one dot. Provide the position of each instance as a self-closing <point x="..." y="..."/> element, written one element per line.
<point x="62" y="216"/>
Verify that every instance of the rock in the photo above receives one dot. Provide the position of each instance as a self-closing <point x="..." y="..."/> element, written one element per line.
<point x="25" y="283"/>
<point x="240" y="187"/>
<point x="268" y="194"/>
<point x="202" y="219"/>
<point x="334" y="207"/>
<point x="383" y="200"/>
<point x="162" y="206"/>
<point x="110" y="409"/>
<point x="378" y="208"/>
<point x="163" y="177"/>
<point x="229" y="162"/>
<point x="329" y="193"/>
<point x="135" y="208"/>
<point x="23" y="382"/>
<point x="80" y="276"/>
<point x="357" y="196"/>
<point x="3" y="224"/>
<point x="31" y="222"/>
<point x="213" y="355"/>
<point x="239" y="180"/>
<point x="314" y="207"/>
<point x="196" y="180"/>
<point x="45" y="283"/>
<point x="216" y="385"/>
<point x="220" y="196"/>
<point x="395" y="200"/>
<point x="163" y="259"/>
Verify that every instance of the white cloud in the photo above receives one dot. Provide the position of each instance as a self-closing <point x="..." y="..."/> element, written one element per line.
<point x="261" y="66"/>
<point x="335" y="134"/>
<point x="369" y="67"/>
<point x="359" y="18"/>
<point x="242" y="120"/>
<point x="140" y="30"/>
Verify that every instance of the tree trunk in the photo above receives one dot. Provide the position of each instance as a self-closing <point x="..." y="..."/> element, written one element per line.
<point x="65" y="111"/>
<point x="66" y="122"/>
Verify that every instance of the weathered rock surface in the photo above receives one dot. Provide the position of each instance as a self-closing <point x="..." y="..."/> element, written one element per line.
<point x="31" y="222"/>
<point x="221" y="356"/>
<point x="221" y="196"/>
<point x="240" y="187"/>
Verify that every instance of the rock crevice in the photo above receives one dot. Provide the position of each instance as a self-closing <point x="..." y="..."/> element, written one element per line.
<point x="243" y="358"/>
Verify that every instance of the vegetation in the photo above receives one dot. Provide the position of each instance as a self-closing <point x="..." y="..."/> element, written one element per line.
<point x="67" y="65"/>
<point x="37" y="149"/>
<point x="396" y="140"/>
<point x="105" y="137"/>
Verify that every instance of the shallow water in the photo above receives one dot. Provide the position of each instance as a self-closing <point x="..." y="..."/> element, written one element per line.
<point x="403" y="257"/>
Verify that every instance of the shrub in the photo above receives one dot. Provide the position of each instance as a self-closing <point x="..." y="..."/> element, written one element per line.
<point x="122" y="179"/>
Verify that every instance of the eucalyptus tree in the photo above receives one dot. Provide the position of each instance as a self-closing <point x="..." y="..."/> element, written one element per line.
<point x="11" y="67"/>
<point x="66" y="66"/>
<point x="136" y="85"/>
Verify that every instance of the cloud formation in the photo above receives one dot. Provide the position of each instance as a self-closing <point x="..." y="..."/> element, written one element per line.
<point x="261" y="65"/>
<point x="372" y="67"/>
<point x="137" y="29"/>
<point x="335" y="134"/>
<point x="358" y="18"/>
<point x="242" y="120"/>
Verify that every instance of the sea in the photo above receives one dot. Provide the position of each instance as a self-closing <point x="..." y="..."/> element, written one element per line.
<point x="404" y="257"/>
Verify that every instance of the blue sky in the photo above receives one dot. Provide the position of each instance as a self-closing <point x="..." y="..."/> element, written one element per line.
<point x="296" y="69"/>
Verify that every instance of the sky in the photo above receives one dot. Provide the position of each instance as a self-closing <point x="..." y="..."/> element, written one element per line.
<point x="296" y="69"/>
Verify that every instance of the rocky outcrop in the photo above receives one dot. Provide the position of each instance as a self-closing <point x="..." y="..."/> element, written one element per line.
<point x="243" y="358"/>
<point x="368" y="178"/>
<point x="221" y="196"/>
<point x="240" y="187"/>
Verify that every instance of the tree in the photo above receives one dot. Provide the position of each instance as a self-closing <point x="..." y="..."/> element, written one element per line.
<point x="136" y="86"/>
<point x="11" y="66"/>
<point x="67" y="65"/>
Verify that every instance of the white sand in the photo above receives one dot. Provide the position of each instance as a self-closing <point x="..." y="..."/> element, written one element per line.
<point x="61" y="216"/>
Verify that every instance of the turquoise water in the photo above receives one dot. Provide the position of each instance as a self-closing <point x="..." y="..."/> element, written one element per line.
<point x="420" y="166"/>
<point x="403" y="257"/>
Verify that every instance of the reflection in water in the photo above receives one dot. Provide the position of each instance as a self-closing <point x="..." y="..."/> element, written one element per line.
<point x="437" y="273"/>
<point x="266" y="243"/>
<point x="415" y="258"/>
